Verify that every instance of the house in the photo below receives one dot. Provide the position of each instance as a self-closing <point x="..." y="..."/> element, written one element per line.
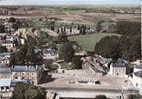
<point x="137" y="62"/>
<point x="9" y="27"/>
<point x="4" y="58"/>
<point x="5" y="71"/>
<point x="137" y="68"/>
<point x="49" y="54"/>
<point x="137" y="80"/>
<point x="5" y="78"/>
<point x="8" y="44"/>
<point x="5" y="85"/>
<point x="118" y="69"/>
<point x="28" y="73"/>
<point x="9" y="76"/>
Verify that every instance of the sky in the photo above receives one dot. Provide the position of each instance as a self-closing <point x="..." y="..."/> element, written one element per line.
<point x="69" y="2"/>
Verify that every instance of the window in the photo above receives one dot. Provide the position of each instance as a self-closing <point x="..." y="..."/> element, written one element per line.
<point x="2" y="88"/>
<point x="16" y="77"/>
<point x="7" y="87"/>
<point x="22" y="73"/>
<point x="97" y="82"/>
<point x="22" y="78"/>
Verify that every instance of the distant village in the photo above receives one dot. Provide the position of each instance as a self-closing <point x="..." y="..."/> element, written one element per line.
<point x="96" y="71"/>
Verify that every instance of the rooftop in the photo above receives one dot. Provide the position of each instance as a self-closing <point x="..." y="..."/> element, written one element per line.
<point x="5" y="82"/>
<point x="13" y="82"/>
<point x="23" y="68"/>
<point x="5" y="54"/>
<point x="119" y="65"/>
<point x="138" y="66"/>
<point x="4" y="66"/>
<point x="5" y="70"/>
<point x="49" y="51"/>
<point x="138" y="74"/>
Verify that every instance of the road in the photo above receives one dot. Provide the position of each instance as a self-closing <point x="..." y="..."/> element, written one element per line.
<point x="89" y="93"/>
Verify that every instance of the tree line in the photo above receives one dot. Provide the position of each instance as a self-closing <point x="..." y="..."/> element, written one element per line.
<point x="127" y="46"/>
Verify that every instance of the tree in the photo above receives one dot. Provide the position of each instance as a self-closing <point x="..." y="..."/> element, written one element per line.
<point x="71" y="29"/>
<point x="108" y="47"/>
<point x="27" y="91"/>
<point x="128" y="27"/>
<point x="63" y="37"/>
<point x="52" y="25"/>
<point x="136" y="96"/>
<point x="106" y="26"/>
<point x="12" y="20"/>
<point x="66" y="52"/>
<point x="128" y="46"/>
<point x="99" y="27"/>
<point x="2" y="28"/>
<point x="131" y="47"/>
<point x="26" y="54"/>
<point x="77" y="63"/>
<point x="16" y="26"/>
<point x="83" y="29"/>
<point x="130" y="42"/>
<point x="3" y="49"/>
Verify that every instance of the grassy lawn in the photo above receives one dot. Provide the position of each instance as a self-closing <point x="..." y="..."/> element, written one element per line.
<point x="67" y="66"/>
<point x="88" y="42"/>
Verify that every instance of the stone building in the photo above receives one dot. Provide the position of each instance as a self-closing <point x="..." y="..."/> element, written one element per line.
<point x="28" y="73"/>
<point x="118" y="69"/>
<point x="136" y="78"/>
<point x="4" y="58"/>
<point x="9" y="76"/>
<point x="5" y="78"/>
<point x="137" y="68"/>
<point x="49" y="54"/>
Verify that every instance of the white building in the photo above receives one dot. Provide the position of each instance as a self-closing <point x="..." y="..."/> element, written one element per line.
<point x="137" y="68"/>
<point x="136" y="78"/>
<point x="137" y="62"/>
<point x="118" y="69"/>
<point x="32" y="74"/>
<point x="4" y="58"/>
<point x="5" y="78"/>
<point x="49" y="54"/>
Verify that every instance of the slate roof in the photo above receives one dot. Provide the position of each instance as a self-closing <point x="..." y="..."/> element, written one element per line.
<point x="138" y="66"/>
<point x="138" y="74"/>
<point x="49" y="51"/>
<point x="5" y="82"/>
<point x="13" y="82"/>
<point x="104" y="60"/>
<point x="4" y="66"/>
<point x="5" y="71"/>
<point x="119" y="65"/>
<point x="5" y="54"/>
<point x="22" y="68"/>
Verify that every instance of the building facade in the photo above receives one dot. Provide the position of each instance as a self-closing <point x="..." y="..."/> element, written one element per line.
<point x="118" y="69"/>
<point x="29" y="73"/>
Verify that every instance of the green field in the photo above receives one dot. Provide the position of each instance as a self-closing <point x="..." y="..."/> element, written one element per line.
<point x="88" y="42"/>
